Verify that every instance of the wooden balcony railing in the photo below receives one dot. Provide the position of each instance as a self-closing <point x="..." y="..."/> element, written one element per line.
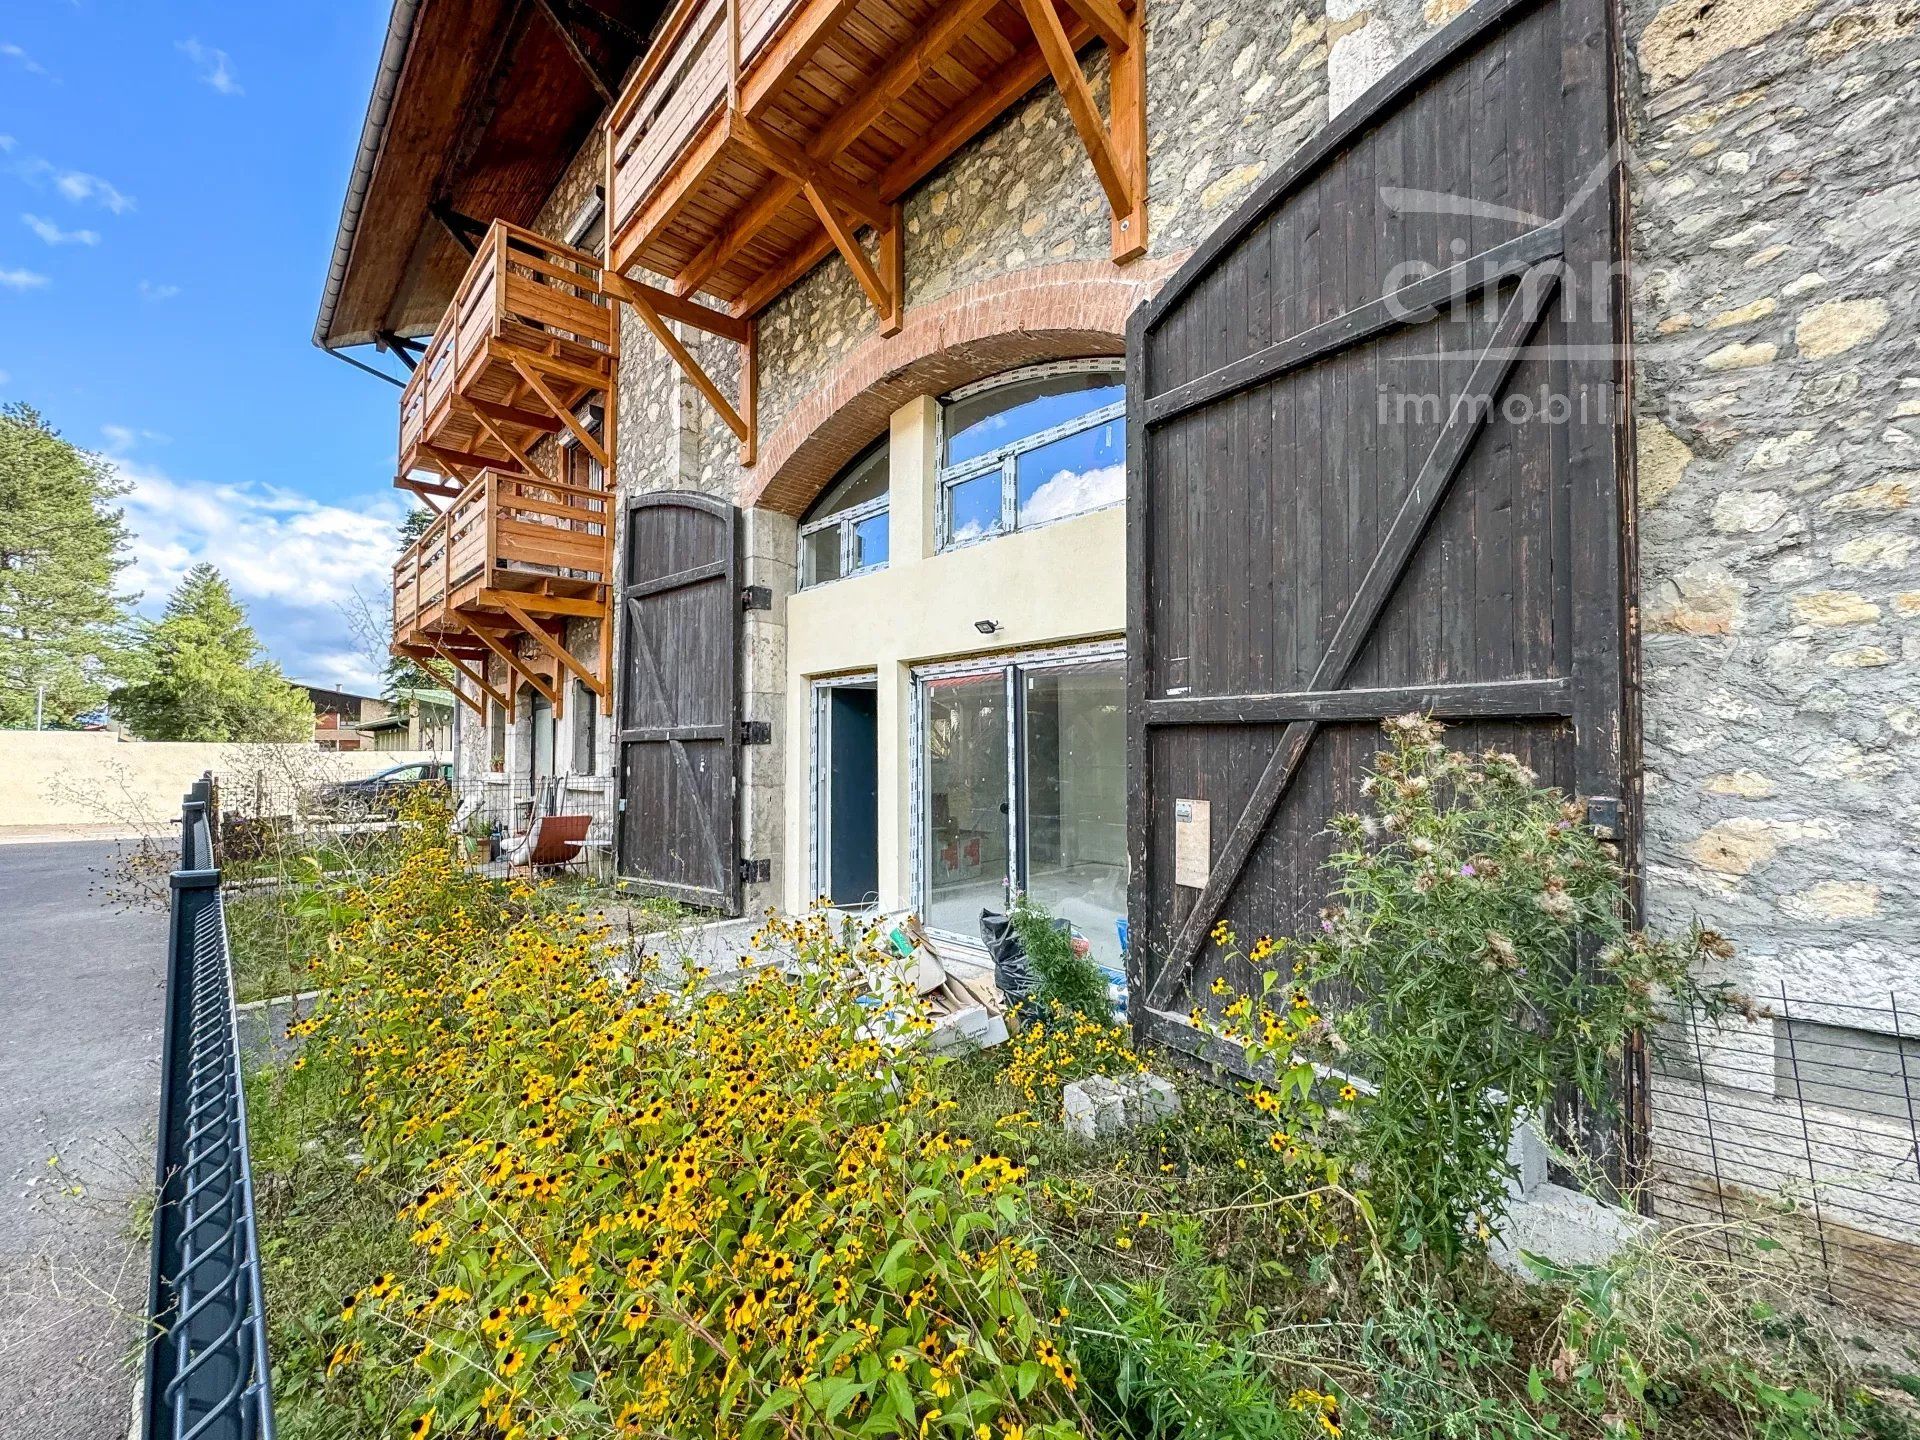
<point x="507" y="543"/>
<point x="757" y="135"/>
<point x="529" y="336"/>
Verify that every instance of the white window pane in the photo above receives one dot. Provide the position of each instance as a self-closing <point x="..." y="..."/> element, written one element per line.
<point x="820" y="556"/>
<point x="964" y="735"/>
<point x="1072" y="475"/>
<point x="973" y="507"/>
<point x="864" y="480"/>
<point x="978" y="424"/>
<point x="1074" y="753"/>
<point x="870" y="541"/>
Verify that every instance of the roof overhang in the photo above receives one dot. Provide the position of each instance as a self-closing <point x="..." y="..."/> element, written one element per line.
<point x="480" y="105"/>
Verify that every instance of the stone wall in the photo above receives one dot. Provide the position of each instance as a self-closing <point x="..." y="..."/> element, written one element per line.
<point x="1775" y="401"/>
<point x="1776" y="226"/>
<point x="1232" y="89"/>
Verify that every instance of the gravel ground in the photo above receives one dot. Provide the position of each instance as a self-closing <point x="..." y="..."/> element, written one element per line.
<point x="80" y="1009"/>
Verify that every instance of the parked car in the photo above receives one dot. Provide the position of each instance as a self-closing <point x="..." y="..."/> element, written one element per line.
<point x="383" y="793"/>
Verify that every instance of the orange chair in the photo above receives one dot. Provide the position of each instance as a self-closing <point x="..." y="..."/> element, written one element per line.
<point x="551" y="840"/>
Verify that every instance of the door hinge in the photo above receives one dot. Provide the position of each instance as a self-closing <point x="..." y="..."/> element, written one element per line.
<point x="756" y="732"/>
<point x="756" y="872"/>
<point x="756" y="597"/>
<point x="1603" y="816"/>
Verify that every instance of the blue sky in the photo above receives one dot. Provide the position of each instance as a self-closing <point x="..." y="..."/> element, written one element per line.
<point x="170" y="180"/>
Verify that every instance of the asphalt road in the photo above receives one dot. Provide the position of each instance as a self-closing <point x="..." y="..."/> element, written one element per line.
<point x="80" y="1007"/>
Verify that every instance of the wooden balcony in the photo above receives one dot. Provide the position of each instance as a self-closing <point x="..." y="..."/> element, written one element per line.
<point x="529" y="337"/>
<point x="499" y="574"/>
<point x="757" y="135"/>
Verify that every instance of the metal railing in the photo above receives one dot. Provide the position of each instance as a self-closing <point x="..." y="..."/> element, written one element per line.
<point x="1799" y="1123"/>
<point x="206" y="1364"/>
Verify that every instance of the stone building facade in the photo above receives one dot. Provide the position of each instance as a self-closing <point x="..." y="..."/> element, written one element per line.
<point x="1776" y="403"/>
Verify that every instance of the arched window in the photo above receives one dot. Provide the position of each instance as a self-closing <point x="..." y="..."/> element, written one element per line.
<point x="1032" y="446"/>
<point x="845" y="533"/>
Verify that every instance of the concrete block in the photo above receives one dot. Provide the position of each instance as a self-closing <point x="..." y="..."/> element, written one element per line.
<point x="1566" y="1227"/>
<point x="1101" y="1106"/>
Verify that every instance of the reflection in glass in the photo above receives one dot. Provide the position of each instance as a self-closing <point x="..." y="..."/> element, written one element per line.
<point x="1078" y="473"/>
<point x="870" y="541"/>
<point x="973" y="508"/>
<point x="820" y="556"/>
<point x="965" y="734"/>
<point x="979" y="424"/>
<point x="1075" y="760"/>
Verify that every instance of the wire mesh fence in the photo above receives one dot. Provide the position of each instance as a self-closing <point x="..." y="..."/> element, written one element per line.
<point x="489" y="813"/>
<point x="206" y="1364"/>
<point x="1800" y="1122"/>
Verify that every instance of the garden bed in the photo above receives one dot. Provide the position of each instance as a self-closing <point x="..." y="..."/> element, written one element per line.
<point x="517" y="1183"/>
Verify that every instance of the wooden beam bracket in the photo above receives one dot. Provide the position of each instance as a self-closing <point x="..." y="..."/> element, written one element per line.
<point x="546" y="638"/>
<point x="516" y="666"/>
<point x="505" y="702"/>
<point x="1117" y="146"/>
<point x="742" y="420"/>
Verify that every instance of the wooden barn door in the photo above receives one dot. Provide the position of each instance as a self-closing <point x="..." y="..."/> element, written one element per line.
<point x="1375" y="449"/>
<point x="680" y="699"/>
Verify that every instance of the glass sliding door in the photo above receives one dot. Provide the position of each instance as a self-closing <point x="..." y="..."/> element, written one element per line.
<point x="966" y="842"/>
<point x="1074" y="768"/>
<point x="1023" y="787"/>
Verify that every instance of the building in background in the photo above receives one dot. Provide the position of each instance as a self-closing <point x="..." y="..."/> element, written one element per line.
<point x="417" y="720"/>
<point x="338" y="714"/>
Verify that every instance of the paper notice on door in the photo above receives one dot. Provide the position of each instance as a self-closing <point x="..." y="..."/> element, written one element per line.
<point x="1192" y="843"/>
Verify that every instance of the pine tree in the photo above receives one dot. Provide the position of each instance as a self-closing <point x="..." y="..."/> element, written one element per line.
<point x="62" y="543"/>
<point x="200" y="675"/>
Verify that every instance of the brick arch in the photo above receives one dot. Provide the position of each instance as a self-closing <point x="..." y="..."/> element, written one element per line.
<point x="1055" y="312"/>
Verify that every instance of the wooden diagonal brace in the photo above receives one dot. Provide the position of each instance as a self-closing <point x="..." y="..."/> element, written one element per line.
<point x="450" y="683"/>
<point x="743" y="427"/>
<point x="886" y="297"/>
<point x="503" y="701"/>
<point x="1118" y="148"/>
<point x="520" y="456"/>
<point x="517" y="666"/>
<point x="588" y="440"/>
<point x="559" y="652"/>
<point x="433" y="494"/>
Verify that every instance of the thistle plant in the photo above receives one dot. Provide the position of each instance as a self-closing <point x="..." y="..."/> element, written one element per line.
<point x="1475" y="961"/>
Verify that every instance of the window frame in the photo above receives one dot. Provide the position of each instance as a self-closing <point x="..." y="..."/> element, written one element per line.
<point x="847" y="520"/>
<point x="1006" y="459"/>
<point x="1012" y="667"/>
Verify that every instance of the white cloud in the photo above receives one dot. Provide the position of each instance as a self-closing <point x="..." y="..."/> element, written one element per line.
<point x="5" y="378"/>
<point x="151" y="291"/>
<point x="1068" y="492"/>
<point x="21" y="58"/>
<point x="82" y="188"/>
<point x="21" y="280"/>
<point x="76" y="185"/>
<point x="291" y="559"/>
<point x="54" y="235"/>
<point x="121" y="438"/>
<point x="215" y="69"/>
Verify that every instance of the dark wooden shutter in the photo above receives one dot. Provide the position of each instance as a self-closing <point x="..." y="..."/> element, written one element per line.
<point x="680" y="699"/>
<point x="1308" y="552"/>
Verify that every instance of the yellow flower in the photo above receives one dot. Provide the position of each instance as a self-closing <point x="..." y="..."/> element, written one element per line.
<point x="421" y="1424"/>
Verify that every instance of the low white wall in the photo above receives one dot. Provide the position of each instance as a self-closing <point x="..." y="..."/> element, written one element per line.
<point x="55" y="778"/>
